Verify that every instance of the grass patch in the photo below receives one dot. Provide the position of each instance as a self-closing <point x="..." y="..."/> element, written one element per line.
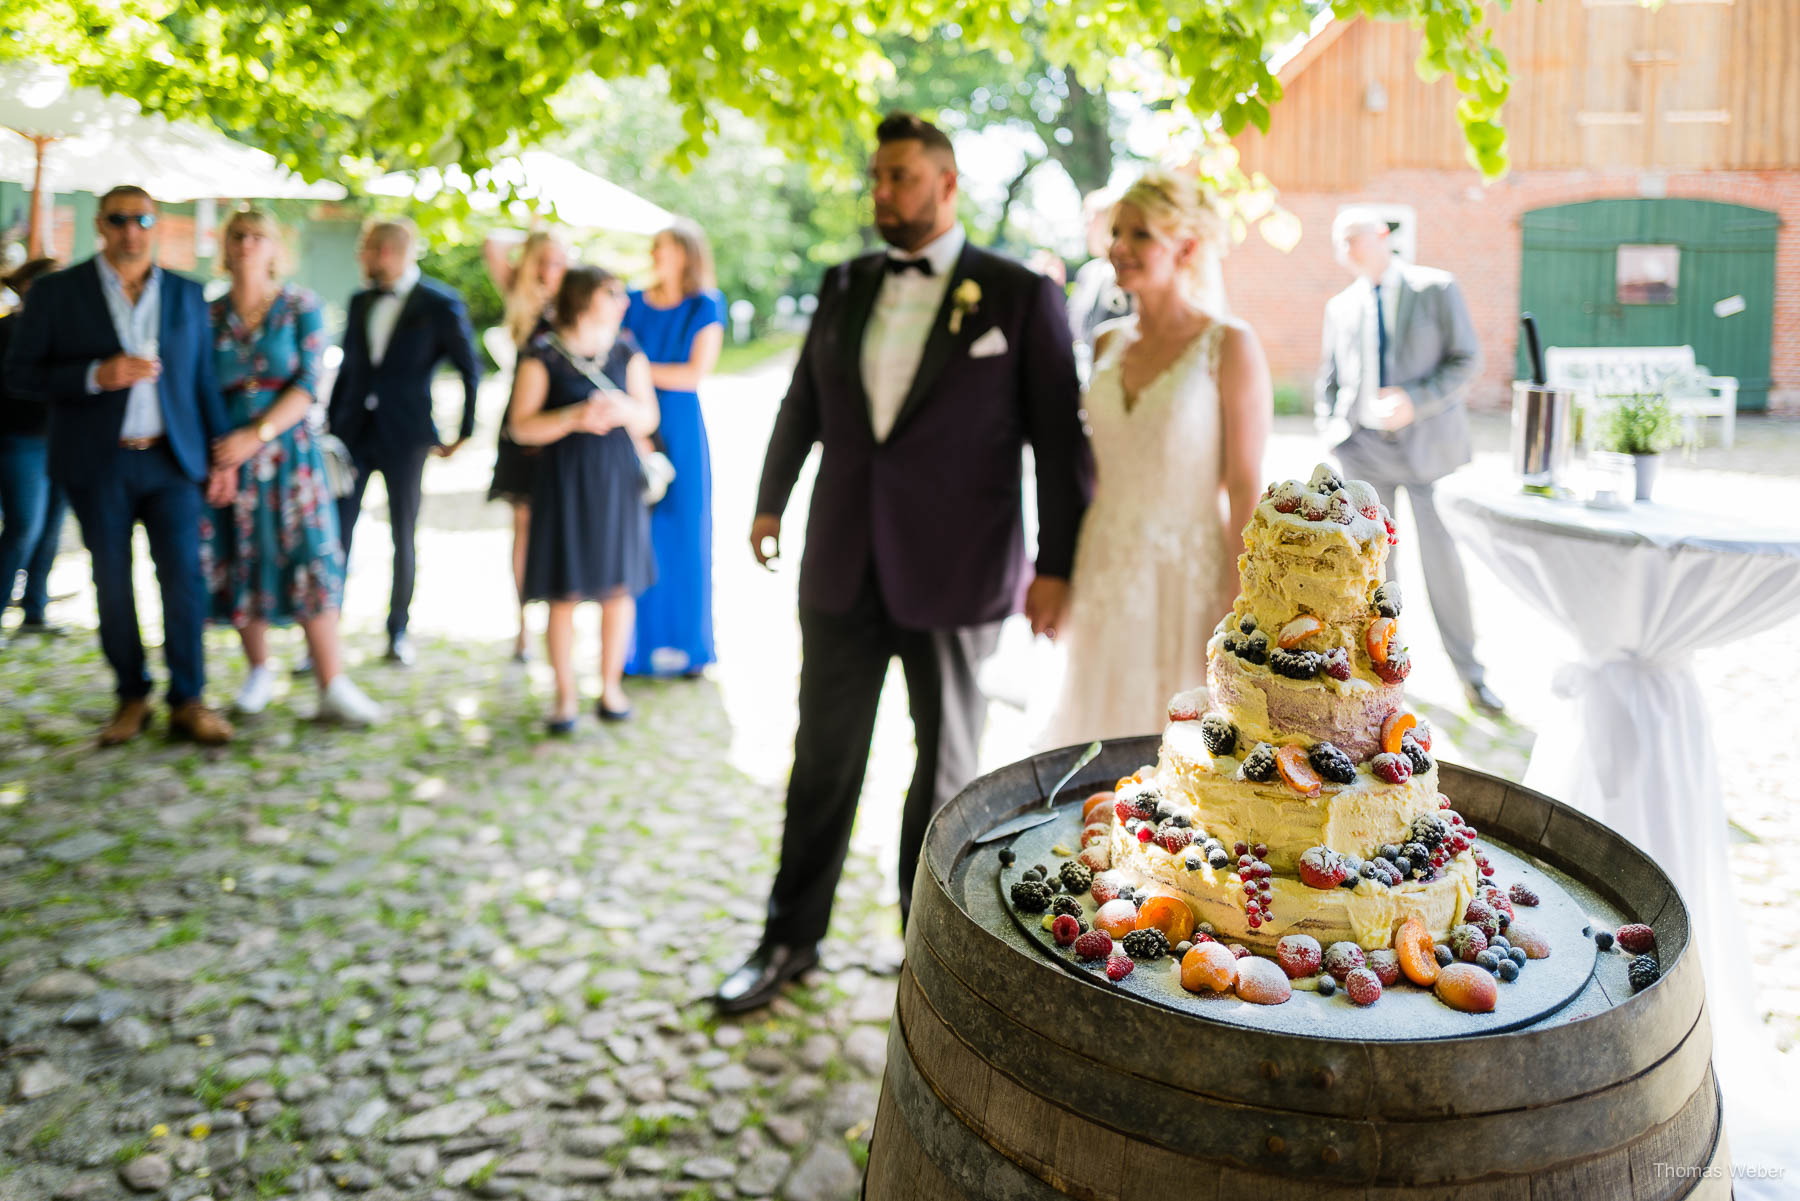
<point x="285" y="1126"/>
<point x="1292" y="401"/>
<point x="746" y="355"/>
<point x="189" y="929"/>
<point x="49" y="1132"/>
<point x="131" y="1151"/>
<point x="484" y="1173"/>
<point x="211" y="1089"/>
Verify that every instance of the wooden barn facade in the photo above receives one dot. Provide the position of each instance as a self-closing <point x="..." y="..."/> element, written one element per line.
<point x="1672" y="132"/>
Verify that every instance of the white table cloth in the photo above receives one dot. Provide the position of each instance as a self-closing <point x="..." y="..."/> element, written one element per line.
<point x="1641" y="590"/>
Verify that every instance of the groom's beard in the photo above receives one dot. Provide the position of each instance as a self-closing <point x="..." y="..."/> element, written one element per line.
<point x="907" y="235"/>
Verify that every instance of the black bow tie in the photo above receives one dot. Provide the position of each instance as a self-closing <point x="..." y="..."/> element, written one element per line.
<point x="382" y="292"/>
<point x="902" y="266"/>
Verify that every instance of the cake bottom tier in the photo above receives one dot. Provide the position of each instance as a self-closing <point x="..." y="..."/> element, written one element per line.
<point x="1366" y="915"/>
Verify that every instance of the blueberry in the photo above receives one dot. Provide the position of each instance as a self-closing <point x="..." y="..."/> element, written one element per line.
<point x="1367" y="870"/>
<point x="1388" y="851"/>
<point x="1350" y="881"/>
<point x="1041" y="870"/>
<point x="1034" y="873"/>
<point x="1517" y="955"/>
<point x="1445" y="956"/>
<point x="1007" y="858"/>
<point x="1193" y="865"/>
<point x="1327" y="986"/>
<point x="1509" y="971"/>
<point x="1182" y="948"/>
<point x="1219" y="860"/>
<point x="1403" y="865"/>
<point x="1489" y="959"/>
<point x="1499" y="943"/>
<point x="1603" y="939"/>
<point x="1179" y="822"/>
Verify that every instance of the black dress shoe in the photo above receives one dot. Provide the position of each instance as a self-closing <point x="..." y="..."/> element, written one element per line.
<point x="400" y="650"/>
<point x="1482" y="697"/>
<point x="43" y="629"/>
<point x="759" y="979"/>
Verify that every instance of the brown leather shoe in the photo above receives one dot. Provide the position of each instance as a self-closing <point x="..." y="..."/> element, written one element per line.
<point x="132" y="716"/>
<point x="194" y="720"/>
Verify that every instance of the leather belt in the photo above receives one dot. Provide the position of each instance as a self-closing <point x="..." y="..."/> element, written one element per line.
<point x="149" y="443"/>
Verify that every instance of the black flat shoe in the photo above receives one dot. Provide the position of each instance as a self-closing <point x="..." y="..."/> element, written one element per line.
<point x="1482" y="698"/>
<point x="562" y="727"/>
<point x="42" y="629"/>
<point x="605" y="714"/>
<point x="758" y="980"/>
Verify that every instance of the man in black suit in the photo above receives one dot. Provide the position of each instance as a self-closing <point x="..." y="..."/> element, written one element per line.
<point x="122" y="350"/>
<point x="400" y="328"/>
<point x="927" y="370"/>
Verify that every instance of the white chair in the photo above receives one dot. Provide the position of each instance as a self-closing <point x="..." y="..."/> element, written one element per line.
<point x="1602" y="374"/>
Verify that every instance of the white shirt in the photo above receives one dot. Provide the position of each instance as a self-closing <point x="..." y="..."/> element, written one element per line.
<point x="137" y="327"/>
<point x="894" y="340"/>
<point x="1390" y="306"/>
<point x="384" y="312"/>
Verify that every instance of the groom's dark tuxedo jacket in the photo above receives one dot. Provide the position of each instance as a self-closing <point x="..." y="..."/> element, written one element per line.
<point x="936" y="510"/>
<point x="433" y="325"/>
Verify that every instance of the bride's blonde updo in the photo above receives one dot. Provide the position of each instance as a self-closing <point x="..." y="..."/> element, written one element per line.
<point x="1176" y="207"/>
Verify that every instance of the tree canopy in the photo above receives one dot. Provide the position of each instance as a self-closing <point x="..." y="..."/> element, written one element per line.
<point x="403" y="83"/>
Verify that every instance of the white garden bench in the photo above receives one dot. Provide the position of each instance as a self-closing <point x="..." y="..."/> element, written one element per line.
<point x="1602" y="374"/>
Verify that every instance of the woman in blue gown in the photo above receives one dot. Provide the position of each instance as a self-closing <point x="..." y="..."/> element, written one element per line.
<point x="679" y="322"/>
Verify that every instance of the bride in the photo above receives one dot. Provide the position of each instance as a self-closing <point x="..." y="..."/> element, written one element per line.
<point x="1179" y="407"/>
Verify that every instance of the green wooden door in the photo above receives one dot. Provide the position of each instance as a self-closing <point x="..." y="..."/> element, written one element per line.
<point x="1721" y="300"/>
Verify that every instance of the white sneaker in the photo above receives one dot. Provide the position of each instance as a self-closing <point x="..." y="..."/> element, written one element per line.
<point x="257" y="692"/>
<point x="343" y="701"/>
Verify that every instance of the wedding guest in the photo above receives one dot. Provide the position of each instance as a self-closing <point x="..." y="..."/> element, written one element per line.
<point x="1399" y="355"/>
<point x="583" y="392"/>
<point x="275" y="554"/>
<point x="31" y="506"/>
<point x="122" y="351"/>
<point x="927" y="370"/>
<point x="400" y="328"/>
<point x="528" y="286"/>
<point x="1179" y="407"/>
<point x="679" y="321"/>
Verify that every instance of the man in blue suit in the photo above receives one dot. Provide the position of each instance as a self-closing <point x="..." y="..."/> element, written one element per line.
<point x="122" y="351"/>
<point x="400" y="328"/>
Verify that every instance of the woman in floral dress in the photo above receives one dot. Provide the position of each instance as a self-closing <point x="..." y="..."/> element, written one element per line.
<point x="274" y="557"/>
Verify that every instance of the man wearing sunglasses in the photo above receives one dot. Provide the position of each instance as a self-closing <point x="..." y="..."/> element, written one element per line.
<point x="122" y="351"/>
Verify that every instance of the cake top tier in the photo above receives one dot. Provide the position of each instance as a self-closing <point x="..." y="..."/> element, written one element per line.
<point x="1316" y="548"/>
<point x="1326" y="505"/>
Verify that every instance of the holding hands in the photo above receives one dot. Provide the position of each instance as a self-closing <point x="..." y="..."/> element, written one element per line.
<point x="1046" y="604"/>
<point x="606" y="410"/>
<point x="234" y="449"/>
<point x="1393" y="408"/>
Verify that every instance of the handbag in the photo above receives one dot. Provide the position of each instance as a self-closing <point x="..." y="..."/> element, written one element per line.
<point x="656" y="471"/>
<point x="340" y="469"/>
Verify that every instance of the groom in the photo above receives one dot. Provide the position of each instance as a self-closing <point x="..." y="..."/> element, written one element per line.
<point x="926" y="371"/>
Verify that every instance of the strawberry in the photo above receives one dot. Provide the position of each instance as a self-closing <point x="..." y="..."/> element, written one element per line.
<point x="1118" y="967"/>
<point x="1174" y="839"/>
<point x="1385" y="963"/>
<point x="1363" y="986"/>
<point x="1636" y="938"/>
<point x="1481" y="915"/>
<point x="1322" y="867"/>
<point x="1095" y="944"/>
<point x="1468" y="941"/>
<point x="1341" y="958"/>
<point x="1397" y="667"/>
<point x="1184" y="711"/>
<point x="1299" y="955"/>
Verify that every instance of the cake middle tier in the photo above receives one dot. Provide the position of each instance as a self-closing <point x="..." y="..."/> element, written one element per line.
<point x="1355" y="819"/>
<point x="1266" y="707"/>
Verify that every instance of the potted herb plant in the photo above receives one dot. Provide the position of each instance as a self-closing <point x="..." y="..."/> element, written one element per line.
<point x="1641" y="425"/>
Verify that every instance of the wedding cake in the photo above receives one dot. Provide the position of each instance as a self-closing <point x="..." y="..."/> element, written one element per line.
<point x="1296" y="795"/>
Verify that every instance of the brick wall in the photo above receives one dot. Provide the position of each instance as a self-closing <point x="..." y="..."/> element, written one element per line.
<point x="174" y="244"/>
<point x="1473" y="232"/>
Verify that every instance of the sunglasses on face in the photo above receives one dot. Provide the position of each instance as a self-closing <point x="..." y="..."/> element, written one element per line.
<point x="121" y="220"/>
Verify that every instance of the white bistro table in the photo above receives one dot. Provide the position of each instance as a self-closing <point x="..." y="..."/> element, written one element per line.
<point x="1640" y="590"/>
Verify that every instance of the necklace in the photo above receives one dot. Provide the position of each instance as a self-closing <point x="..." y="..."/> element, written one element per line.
<point x="252" y="318"/>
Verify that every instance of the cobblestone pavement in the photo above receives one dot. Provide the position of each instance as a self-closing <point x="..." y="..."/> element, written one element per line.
<point x="446" y="959"/>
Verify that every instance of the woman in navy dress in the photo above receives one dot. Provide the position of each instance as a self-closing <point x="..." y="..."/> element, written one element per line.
<point x="679" y="321"/>
<point x="583" y="392"/>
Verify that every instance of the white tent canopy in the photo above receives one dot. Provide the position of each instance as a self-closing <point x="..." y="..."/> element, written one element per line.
<point x="90" y="141"/>
<point x="578" y="197"/>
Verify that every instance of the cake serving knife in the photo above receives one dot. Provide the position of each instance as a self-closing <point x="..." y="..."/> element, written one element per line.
<point x="1018" y="825"/>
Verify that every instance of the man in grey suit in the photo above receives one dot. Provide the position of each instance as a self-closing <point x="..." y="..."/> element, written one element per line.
<point x="1399" y="355"/>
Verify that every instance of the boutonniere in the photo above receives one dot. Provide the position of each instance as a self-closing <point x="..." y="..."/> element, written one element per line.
<point x="964" y="301"/>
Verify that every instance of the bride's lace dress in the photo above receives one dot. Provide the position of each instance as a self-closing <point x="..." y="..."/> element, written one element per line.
<point x="1148" y="586"/>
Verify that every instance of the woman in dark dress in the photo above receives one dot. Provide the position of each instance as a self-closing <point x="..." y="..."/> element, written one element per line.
<point x="527" y="286"/>
<point x="583" y="392"/>
<point x="31" y="507"/>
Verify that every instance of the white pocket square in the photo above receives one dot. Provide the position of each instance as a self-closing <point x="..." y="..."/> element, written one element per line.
<point x="988" y="345"/>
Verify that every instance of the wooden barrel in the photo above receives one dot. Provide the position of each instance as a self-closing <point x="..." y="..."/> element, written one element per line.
<point x="1010" y="1077"/>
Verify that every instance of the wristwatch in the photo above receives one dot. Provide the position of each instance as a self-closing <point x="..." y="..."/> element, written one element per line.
<point x="265" y="432"/>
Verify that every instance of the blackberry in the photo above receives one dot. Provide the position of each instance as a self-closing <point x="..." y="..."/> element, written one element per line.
<point x="1259" y="764"/>
<point x="1007" y="858"/>
<point x="1387" y="599"/>
<point x="1332" y="763"/>
<point x="1255" y="649"/>
<point x="1420" y="856"/>
<point x="1325" y="480"/>
<point x="1031" y="896"/>
<point x="1643" y="971"/>
<point x="1233" y="644"/>
<point x="1430" y="831"/>
<point x="1219" y="733"/>
<point x="1191" y="863"/>
<point x="1421" y="761"/>
<point x="1065" y="904"/>
<point x="1247" y="624"/>
<point x="1148" y="943"/>
<point x="1076" y="875"/>
<point x="1180" y="821"/>
<point x="1296" y="664"/>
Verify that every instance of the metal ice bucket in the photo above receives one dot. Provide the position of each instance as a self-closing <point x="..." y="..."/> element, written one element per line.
<point x="1542" y="418"/>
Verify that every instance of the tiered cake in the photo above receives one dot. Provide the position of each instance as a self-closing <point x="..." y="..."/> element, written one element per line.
<point x="1296" y="795"/>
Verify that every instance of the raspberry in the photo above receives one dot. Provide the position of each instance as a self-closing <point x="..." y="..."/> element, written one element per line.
<point x="1095" y="944"/>
<point x="1397" y="667"/>
<point x="1220" y="735"/>
<point x="1285" y="497"/>
<point x="1385" y="963"/>
<point x="1636" y="938"/>
<point x="1065" y="930"/>
<point x="1145" y="833"/>
<point x="1387" y="599"/>
<point x="1133" y="807"/>
<point x="1468" y="941"/>
<point x="1522" y="895"/>
<point x="1643" y="972"/>
<point x="1065" y="905"/>
<point x="1498" y="901"/>
<point x="1185" y="711"/>
<point x="1395" y="769"/>
<point x="1296" y="664"/>
<point x="1315" y="507"/>
<point x="1324" y="480"/>
<point x="1239" y="950"/>
<point x="1148" y="943"/>
<point x="1340" y="508"/>
<point x="1031" y="896"/>
<point x="1322" y="867"/>
<point x="1298" y="955"/>
<point x="1332" y="763"/>
<point x="1174" y="839"/>
<point x="1259" y="764"/>
<point x="1118" y="967"/>
<point x="1342" y="958"/>
<point x="1337" y="663"/>
<point x="1393" y="539"/>
<point x="1362" y="986"/>
<point x="1364" y="497"/>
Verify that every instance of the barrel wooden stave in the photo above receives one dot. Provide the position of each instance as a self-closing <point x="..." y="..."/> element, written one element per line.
<point x="1632" y="1078"/>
